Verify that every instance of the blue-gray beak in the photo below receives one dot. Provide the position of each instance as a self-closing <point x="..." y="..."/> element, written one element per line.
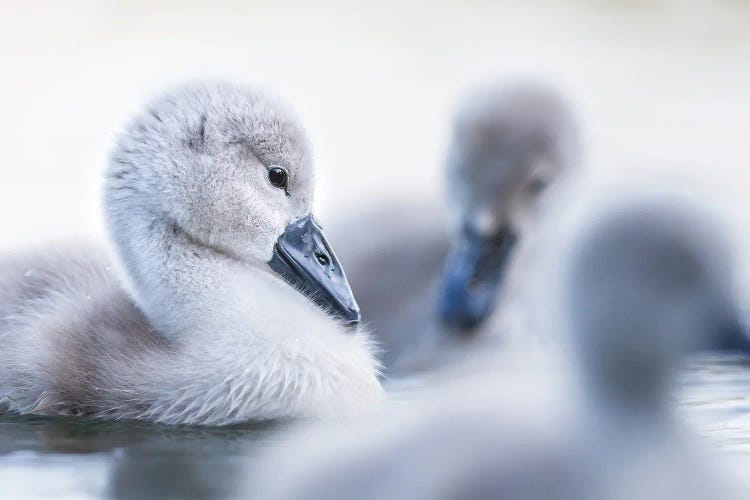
<point x="303" y="257"/>
<point x="472" y="277"/>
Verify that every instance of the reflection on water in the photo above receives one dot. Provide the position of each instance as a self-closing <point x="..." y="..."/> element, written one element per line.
<point x="72" y="458"/>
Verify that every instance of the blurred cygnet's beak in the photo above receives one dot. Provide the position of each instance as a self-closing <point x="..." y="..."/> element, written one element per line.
<point x="303" y="257"/>
<point x="472" y="277"/>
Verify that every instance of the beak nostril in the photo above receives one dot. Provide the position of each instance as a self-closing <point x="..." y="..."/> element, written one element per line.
<point x="322" y="258"/>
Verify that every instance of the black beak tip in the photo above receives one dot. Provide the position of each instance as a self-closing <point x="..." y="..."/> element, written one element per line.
<point x="461" y="321"/>
<point x="352" y="325"/>
<point x="351" y="318"/>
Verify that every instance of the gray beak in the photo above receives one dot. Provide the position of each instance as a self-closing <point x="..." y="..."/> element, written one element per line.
<point x="472" y="277"/>
<point x="303" y="257"/>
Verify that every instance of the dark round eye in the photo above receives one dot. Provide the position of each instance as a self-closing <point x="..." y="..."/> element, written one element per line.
<point x="278" y="177"/>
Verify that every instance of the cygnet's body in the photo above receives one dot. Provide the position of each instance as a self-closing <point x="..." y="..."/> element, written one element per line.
<point x="610" y="436"/>
<point x="208" y="198"/>
<point x="415" y="280"/>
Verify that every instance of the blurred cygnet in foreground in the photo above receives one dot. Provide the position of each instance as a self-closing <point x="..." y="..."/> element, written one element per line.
<point x="639" y="288"/>
<point x="509" y="143"/>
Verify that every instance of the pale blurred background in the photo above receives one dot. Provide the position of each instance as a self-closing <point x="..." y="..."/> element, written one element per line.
<point x="660" y="82"/>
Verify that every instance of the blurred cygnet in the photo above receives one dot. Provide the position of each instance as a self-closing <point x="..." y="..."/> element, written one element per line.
<point x="640" y="287"/>
<point x="508" y="144"/>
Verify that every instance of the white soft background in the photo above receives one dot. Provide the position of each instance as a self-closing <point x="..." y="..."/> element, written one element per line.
<point x="663" y="83"/>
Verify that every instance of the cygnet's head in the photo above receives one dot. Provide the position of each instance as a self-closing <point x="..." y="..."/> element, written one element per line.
<point x="647" y="283"/>
<point x="509" y="143"/>
<point x="228" y="170"/>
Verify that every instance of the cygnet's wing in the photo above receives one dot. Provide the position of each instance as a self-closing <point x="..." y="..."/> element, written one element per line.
<point x="67" y="301"/>
<point x="29" y="277"/>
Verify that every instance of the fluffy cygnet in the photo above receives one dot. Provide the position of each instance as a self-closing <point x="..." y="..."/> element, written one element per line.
<point x="231" y="304"/>
<point x="509" y="142"/>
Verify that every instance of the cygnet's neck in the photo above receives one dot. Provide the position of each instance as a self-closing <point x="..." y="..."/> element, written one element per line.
<point x="251" y="345"/>
<point x="181" y="285"/>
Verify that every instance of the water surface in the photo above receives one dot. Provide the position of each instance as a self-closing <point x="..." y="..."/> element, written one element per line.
<point x="70" y="458"/>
